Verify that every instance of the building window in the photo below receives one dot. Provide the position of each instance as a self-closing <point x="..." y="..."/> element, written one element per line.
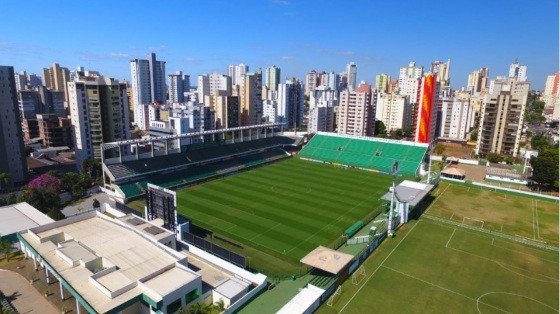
<point x="191" y="296"/>
<point x="174" y="306"/>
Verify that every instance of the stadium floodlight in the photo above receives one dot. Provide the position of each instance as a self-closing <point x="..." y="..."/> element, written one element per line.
<point x="390" y="222"/>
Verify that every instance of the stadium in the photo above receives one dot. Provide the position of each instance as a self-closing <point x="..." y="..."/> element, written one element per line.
<point x="250" y="190"/>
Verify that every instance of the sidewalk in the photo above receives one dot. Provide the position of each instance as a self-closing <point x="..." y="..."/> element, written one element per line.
<point x="23" y="296"/>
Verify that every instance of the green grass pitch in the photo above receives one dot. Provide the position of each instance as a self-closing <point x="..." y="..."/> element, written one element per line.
<point x="281" y="212"/>
<point x="434" y="267"/>
<point x="513" y="214"/>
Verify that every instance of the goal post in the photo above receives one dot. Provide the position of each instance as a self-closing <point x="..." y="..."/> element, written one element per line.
<point x="335" y="296"/>
<point x="358" y="275"/>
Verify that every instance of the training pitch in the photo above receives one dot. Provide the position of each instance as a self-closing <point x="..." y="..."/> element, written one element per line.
<point x="280" y="212"/>
<point x="520" y="216"/>
<point x="437" y="267"/>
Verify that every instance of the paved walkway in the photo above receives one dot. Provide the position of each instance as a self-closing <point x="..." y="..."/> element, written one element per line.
<point x="24" y="297"/>
<point x="87" y="203"/>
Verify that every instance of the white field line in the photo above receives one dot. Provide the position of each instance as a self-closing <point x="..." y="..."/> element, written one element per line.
<point x="537" y="216"/>
<point x="533" y="216"/>
<point x="435" y="201"/>
<point x="451" y="236"/>
<point x="446" y="289"/>
<point x="260" y="234"/>
<point x="373" y="273"/>
<point x="474" y="219"/>
<point x="509" y="293"/>
<point x="517" y="251"/>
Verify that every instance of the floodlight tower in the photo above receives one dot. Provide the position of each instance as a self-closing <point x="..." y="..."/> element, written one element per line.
<point x="390" y="223"/>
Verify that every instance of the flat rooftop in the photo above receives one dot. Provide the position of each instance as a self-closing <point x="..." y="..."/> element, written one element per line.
<point x="21" y="216"/>
<point x="410" y="191"/>
<point x="107" y="262"/>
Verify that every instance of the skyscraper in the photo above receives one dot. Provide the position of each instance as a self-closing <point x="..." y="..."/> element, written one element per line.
<point x="178" y="85"/>
<point x="550" y="93"/>
<point x="148" y="80"/>
<point x="272" y="78"/>
<point x="56" y="78"/>
<point x="237" y="73"/>
<point x="501" y="118"/>
<point x="356" y="115"/>
<point x="382" y="83"/>
<point x="457" y="118"/>
<point x="441" y="72"/>
<point x="99" y="112"/>
<point x="518" y="71"/>
<point x="478" y="80"/>
<point x="393" y="110"/>
<point x="426" y="111"/>
<point x="351" y="75"/>
<point x="251" y="99"/>
<point x="409" y="81"/>
<point x="311" y="82"/>
<point x="290" y="103"/>
<point x="12" y="156"/>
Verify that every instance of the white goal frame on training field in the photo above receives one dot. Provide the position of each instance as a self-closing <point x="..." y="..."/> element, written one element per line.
<point x="474" y="219"/>
<point x="336" y="295"/>
<point x="358" y="275"/>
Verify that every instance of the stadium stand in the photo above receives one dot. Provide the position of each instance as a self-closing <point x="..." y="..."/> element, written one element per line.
<point x="370" y="153"/>
<point x="195" y="163"/>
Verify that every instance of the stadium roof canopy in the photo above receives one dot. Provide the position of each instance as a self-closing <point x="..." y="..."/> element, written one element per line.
<point x="410" y="192"/>
<point x="327" y="259"/>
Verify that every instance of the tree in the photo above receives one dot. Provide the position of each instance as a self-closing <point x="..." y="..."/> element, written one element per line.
<point x="96" y="203"/>
<point x="407" y="132"/>
<point x="545" y="168"/>
<point x="380" y="127"/>
<point x="45" y="182"/>
<point x="5" y="247"/>
<point x="540" y="143"/>
<point x="56" y="214"/>
<point x="92" y="168"/>
<point x="68" y="180"/>
<point x="42" y="199"/>
<point x="474" y="136"/>
<point x="495" y="158"/>
<point x="509" y="160"/>
<point x="78" y="191"/>
<point x="439" y="149"/>
<point x="5" y="181"/>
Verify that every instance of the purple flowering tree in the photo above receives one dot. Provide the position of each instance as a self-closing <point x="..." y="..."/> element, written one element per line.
<point x="44" y="181"/>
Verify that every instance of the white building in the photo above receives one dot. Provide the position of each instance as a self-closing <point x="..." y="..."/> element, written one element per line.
<point x="237" y="73"/>
<point x="457" y="118"/>
<point x="441" y="71"/>
<point x="270" y="110"/>
<point x="272" y="78"/>
<point x="409" y="81"/>
<point x="290" y="103"/>
<point x="550" y="93"/>
<point x="518" y="71"/>
<point x="393" y="110"/>
<point x="356" y="115"/>
<point x="148" y="80"/>
<point x="477" y="80"/>
<point x="321" y="119"/>
<point x="179" y="84"/>
<point x="210" y="84"/>
<point x="351" y="72"/>
<point x="97" y="119"/>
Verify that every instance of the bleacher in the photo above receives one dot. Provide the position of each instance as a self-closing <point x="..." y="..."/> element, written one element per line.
<point x="365" y="153"/>
<point x="193" y="153"/>
<point x="196" y="173"/>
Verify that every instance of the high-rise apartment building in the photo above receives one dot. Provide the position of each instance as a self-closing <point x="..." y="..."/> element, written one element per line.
<point x="12" y="157"/>
<point x="251" y="99"/>
<point x="226" y="110"/>
<point x="331" y="80"/>
<point x="393" y="110"/>
<point x="56" y="78"/>
<point x="290" y="103"/>
<point x="351" y="72"/>
<point x="311" y="82"/>
<point x="272" y="78"/>
<point x="550" y="93"/>
<point x="356" y="115"/>
<point x="410" y="78"/>
<point x="148" y="81"/>
<point x="457" y="118"/>
<point x="518" y="71"/>
<point x="501" y="120"/>
<point x="321" y="119"/>
<point x="211" y="84"/>
<point x="441" y="72"/>
<point x="179" y="84"/>
<point x="29" y="104"/>
<point x="99" y="111"/>
<point x="478" y="80"/>
<point x="425" y="118"/>
<point x="382" y="83"/>
<point x="55" y="131"/>
<point x="237" y="73"/>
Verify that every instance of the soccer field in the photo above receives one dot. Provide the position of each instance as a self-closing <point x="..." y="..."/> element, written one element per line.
<point x="281" y="212"/>
<point x="435" y="267"/>
<point x="513" y="214"/>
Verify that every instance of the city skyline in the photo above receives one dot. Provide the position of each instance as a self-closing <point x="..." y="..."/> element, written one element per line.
<point x="471" y="37"/>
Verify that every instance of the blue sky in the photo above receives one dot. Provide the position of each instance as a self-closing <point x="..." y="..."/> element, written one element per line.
<point x="203" y="36"/>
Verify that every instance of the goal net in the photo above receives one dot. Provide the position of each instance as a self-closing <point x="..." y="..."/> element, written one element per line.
<point x="359" y="275"/>
<point x="334" y="298"/>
